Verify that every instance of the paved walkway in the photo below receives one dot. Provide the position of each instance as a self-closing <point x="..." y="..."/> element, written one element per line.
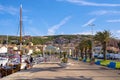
<point x="73" y="71"/>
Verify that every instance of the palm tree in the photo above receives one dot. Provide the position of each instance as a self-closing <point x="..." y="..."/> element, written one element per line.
<point x="89" y="46"/>
<point x="85" y="47"/>
<point x="81" y="47"/>
<point x="103" y="38"/>
<point x="76" y="51"/>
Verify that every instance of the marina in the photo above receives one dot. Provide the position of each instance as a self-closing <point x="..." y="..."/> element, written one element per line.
<point x="59" y="40"/>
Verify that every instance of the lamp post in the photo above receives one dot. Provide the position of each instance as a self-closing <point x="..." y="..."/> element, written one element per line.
<point x="92" y="45"/>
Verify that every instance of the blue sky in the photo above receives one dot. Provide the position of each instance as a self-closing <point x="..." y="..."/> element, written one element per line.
<point x="55" y="17"/>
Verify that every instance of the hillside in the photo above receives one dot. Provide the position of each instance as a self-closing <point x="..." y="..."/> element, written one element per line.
<point x="44" y="39"/>
<point x="55" y="40"/>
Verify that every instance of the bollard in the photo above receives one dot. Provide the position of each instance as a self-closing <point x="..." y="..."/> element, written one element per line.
<point x="112" y="65"/>
<point x="97" y="62"/>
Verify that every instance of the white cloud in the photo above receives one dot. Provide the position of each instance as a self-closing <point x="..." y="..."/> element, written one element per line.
<point x="114" y="21"/>
<point x="9" y="9"/>
<point x="51" y="31"/>
<point x="103" y="12"/>
<point x="84" y="33"/>
<point x="118" y="31"/>
<point x="116" y="34"/>
<point x="89" y="22"/>
<point x="62" y="33"/>
<point x="86" y="3"/>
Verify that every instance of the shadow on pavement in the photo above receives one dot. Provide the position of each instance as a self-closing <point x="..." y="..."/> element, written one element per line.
<point x="93" y="69"/>
<point x="53" y="69"/>
<point x="60" y="78"/>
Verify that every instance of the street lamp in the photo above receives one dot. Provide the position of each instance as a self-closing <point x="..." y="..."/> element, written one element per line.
<point x="92" y="38"/>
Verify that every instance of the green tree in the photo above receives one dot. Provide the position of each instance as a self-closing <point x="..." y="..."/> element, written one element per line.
<point x="81" y="47"/>
<point x="89" y="47"/>
<point x="103" y="38"/>
<point x="85" y="47"/>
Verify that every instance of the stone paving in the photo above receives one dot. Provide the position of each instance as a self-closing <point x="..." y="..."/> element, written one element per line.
<point x="74" y="70"/>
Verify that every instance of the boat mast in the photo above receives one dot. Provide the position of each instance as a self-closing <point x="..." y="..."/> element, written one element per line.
<point x="20" y="34"/>
<point x="20" y="27"/>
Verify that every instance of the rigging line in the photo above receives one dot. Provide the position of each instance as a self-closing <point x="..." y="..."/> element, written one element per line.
<point x="18" y="31"/>
<point x="23" y="30"/>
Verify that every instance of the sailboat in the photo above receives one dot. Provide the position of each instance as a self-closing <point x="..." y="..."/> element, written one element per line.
<point x="16" y="59"/>
<point x="15" y="63"/>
